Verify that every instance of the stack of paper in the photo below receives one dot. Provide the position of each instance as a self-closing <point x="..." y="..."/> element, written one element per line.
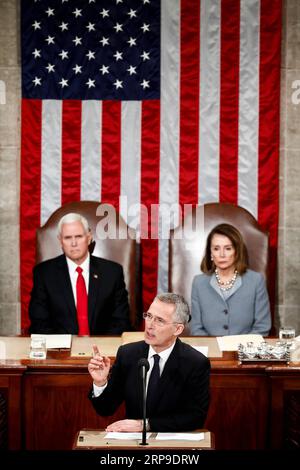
<point x="180" y="436"/>
<point x="231" y="343"/>
<point x="56" y="341"/>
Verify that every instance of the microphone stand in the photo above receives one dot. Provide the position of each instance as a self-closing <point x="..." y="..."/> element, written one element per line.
<point x="144" y="435"/>
<point x="144" y="366"/>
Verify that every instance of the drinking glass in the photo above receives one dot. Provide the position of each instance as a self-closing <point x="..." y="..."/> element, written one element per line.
<point x="38" y="348"/>
<point x="287" y="334"/>
<point x="250" y="350"/>
<point x="279" y="349"/>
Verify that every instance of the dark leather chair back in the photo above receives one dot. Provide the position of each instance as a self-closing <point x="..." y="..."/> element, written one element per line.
<point x="187" y="242"/>
<point x="121" y="247"/>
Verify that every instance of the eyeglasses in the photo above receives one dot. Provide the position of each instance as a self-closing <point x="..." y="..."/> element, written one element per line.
<point x="157" y="320"/>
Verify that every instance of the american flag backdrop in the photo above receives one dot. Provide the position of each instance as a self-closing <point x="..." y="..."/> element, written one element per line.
<point x="166" y="102"/>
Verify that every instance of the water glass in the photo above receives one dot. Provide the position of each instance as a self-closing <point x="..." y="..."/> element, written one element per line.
<point x="38" y="348"/>
<point x="287" y="334"/>
<point x="279" y="350"/>
<point x="250" y="350"/>
<point x="262" y="350"/>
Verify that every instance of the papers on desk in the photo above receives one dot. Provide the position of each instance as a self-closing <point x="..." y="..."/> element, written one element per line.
<point x="231" y="343"/>
<point x="132" y="336"/>
<point x="179" y="436"/>
<point x="202" y="349"/>
<point x="161" y="436"/>
<point x="14" y="348"/>
<point x="56" y="341"/>
<point x="126" y="435"/>
<point x="82" y="346"/>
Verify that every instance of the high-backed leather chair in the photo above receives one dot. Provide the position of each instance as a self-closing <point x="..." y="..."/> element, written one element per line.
<point x="122" y="249"/>
<point x="187" y="242"/>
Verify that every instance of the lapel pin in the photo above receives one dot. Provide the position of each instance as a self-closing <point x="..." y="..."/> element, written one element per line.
<point x="96" y="276"/>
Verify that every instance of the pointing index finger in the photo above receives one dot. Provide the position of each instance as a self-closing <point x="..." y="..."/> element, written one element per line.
<point x="95" y="350"/>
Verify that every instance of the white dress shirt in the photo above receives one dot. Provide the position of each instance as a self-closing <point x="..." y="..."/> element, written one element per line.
<point x="85" y="266"/>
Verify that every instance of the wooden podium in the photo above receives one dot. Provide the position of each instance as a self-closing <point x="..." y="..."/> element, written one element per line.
<point x="92" y="439"/>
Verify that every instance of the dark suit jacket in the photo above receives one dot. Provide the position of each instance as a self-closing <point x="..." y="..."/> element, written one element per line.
<point x="52" y="306"/>
<point x="183" y="397"/>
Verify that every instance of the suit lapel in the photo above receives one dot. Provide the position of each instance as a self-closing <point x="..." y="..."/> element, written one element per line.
<point x="215" y="285"/>
<point x="94" y="287"/>
<point x="64" y="281"/>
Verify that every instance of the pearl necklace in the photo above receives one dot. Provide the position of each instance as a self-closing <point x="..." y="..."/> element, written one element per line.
<point x="227" y="284"/>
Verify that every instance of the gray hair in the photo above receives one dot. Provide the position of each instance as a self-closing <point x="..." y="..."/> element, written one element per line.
<point x="73" y="217"/>
<point x="182" y="310"/>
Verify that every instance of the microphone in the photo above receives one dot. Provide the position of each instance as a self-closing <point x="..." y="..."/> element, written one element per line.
<point x="144" y="366"/>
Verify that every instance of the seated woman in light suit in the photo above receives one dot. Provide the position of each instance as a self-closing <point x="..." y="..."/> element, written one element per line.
<point x="228" y="298"/>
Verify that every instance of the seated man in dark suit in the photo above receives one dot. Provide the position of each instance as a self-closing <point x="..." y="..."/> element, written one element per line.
<point x="180" y="397"/>
<point x="76" y="292"/>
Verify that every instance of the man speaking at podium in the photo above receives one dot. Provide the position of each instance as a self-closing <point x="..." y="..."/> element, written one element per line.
<point x="177" y="382"/>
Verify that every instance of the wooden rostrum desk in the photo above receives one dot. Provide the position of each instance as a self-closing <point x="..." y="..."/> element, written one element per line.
<point x="91" y="439"/>
<point x="43" y="404"/>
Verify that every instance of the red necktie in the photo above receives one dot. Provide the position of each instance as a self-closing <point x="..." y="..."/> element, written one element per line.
<point x="82" y="304"/>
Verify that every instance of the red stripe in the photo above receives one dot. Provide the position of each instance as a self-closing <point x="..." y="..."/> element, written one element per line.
<point x="229" y="100"/>
<point x="30" y="195"/>
<point x="189" y="100"/>
<point x="269" y="112"/>
<point x="111" y="152"/>
<point x="150" y="153"/>
<point x="71" y="151"/>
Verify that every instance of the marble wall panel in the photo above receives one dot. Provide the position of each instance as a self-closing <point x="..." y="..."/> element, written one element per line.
<point x="9" y="285"/>
<point x="292" y="317"/>
<point x="10" y="111"/>
<point x="9" y="32"/>
<point x="9" y="246"/>
<point x="292" y="274"/>
<point x="9" y="318"/>
<point x="292" y="134"/>
<point x="280" y="269"/>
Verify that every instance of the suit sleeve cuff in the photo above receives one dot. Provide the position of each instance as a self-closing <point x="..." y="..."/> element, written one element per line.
<point x="97" y="391"/>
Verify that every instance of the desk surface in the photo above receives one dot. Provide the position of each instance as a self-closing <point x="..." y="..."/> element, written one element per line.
<point x="94" y="439"/>
<point x="17" y="348"/>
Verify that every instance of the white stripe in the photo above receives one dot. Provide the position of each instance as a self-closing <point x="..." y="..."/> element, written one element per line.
<point x="209" y="101"/>
<point x="131" y="162"/>
<point x="249" y="106"/>
<point x="169" y="138"/>
<point x="51" y="158"/>
<point x="91" y="150"/>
